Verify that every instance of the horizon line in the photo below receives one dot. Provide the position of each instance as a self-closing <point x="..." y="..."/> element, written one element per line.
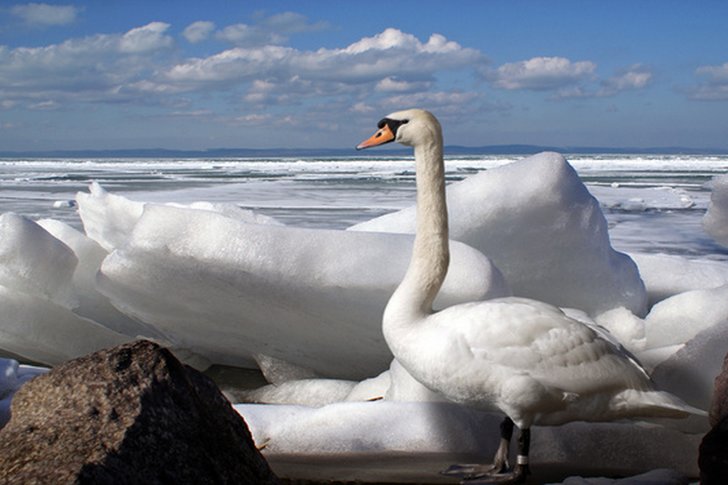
<point x="504" y="149"/>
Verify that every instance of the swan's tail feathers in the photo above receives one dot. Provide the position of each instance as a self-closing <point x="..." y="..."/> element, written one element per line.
<point x="655" y="404"/>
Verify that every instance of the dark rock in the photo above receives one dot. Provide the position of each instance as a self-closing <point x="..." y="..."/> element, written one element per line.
<point x="713" y="458"/>
<point x="131" y="414"/>
<point x="719" y="403"/>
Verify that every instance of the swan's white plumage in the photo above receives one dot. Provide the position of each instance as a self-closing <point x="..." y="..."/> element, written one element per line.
<point x="531" y="361"/>
<point x="526" y="357"/>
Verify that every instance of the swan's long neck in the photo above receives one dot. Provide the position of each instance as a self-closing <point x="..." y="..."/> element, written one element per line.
<point x="430" y="256"/>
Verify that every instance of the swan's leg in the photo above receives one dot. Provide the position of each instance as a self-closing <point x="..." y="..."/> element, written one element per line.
<point x="520" y="471"/>
<point x="500" y="460"/>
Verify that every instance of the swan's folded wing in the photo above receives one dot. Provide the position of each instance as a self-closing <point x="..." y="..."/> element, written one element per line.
<point x="526" y="337"/>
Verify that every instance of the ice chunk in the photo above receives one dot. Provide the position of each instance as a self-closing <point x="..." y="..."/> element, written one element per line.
<point x="278" y="371"/>
<point x="40" y="330"/>
<point x="357" y="440"/>
<point x="687" y="340"/>
<point x="690" y="371"/>
<point x="229" y="290"/>
<point x="36" y="297"/>
<point x="305" y="392"/>
<point x="662" y="476"/>
<point x="667" y="275"/>
<point x="542" y="228"/>
<point x="404" y="387"/>
<point x="715" y="221"/>
<point x="12" y="376"/>
<point x="634" y="199"/>
<point x="372" y="389"/>
<point x="87" y="251"/>
<point x="33" y="261"/>
<point x="107" y="218"/>
<point x="368" y="427"/>
<point x="669" y="325"/>
<point x="91" y="303"/>
<point x="230" y="210"/>
<point x="394" y="384"/>
<point x="678" y="319"/>
<point x="626" y="327"/>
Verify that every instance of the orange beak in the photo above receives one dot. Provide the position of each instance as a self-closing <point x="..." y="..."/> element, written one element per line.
<point x="382" y="136"/>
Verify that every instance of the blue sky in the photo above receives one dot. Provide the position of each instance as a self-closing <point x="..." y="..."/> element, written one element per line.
<point x="259" y="74"/>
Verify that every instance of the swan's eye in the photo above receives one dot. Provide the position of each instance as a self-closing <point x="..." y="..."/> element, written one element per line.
<point x="404" y="122"/>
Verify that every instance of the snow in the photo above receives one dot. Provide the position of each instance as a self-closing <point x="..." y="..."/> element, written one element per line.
<point x="221" y="285"/>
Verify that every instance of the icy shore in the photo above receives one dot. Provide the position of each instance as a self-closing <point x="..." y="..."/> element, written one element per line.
<point x="224" y="286"/>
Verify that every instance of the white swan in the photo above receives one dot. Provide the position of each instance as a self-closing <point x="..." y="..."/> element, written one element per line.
<point x="525" y="357"/>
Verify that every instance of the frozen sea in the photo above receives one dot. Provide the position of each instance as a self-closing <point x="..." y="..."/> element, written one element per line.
<point x="653" y="203"/>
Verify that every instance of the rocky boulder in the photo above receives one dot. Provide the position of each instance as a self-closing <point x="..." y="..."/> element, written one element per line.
<point x="713" y="459"/>
<point x="130" y="414"/>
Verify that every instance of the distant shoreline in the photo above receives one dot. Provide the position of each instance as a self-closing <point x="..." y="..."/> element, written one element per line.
<point x="351" y="152"/>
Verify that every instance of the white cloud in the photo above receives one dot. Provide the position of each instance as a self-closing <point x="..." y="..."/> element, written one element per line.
<point x="236" y="64"/>
<point x="542" y="74"/>
<point x="392" y="53"/>
<point x="566" y="78"/>
<point x="434" y="99"/>
<point x="635" y="77"/>
<point x="390" y="84"/>
<point x="48" y="105"/>
<point x="388" y="39"/>
<point x="147" y="38"/>
<point x="362" y="108"/>
<point x="291" y="23"/>
<point x="397" y="40"/>
<point x="248" y="35"/>
<point x="43" y="14"/>
<point x="253" y="119"/>
<point x="198" y="31"/>
<point x="200" y="113"/>
<point x="259" y="92"/>
<point x="713" y="83"/>
<point x="275" y="30"/>
<point x="715" y="73"/>
<point x="389" y="54"/>
<point x="139" y="66"/>
<point x="103" y="67"/>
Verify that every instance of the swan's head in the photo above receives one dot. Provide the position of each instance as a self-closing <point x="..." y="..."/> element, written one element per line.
<point x="410" y="127"/>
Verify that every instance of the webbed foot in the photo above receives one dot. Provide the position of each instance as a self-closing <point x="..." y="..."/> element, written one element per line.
<point x="472" y="471"/>
<point x="486" y="474"/>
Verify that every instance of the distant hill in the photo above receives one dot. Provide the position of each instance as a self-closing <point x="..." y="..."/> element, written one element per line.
<point x="345" y="152"/>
